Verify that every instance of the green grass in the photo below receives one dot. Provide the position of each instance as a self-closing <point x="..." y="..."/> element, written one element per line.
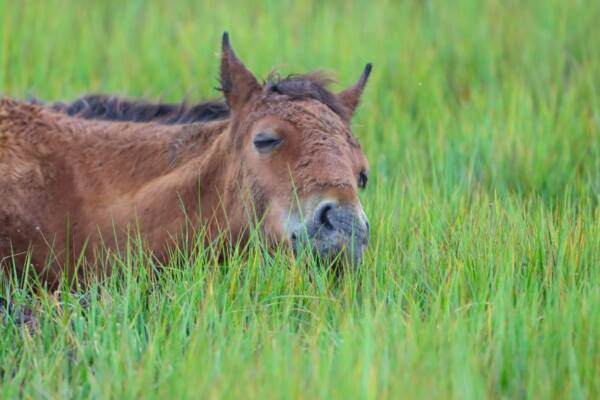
<point x="482" y="126"/>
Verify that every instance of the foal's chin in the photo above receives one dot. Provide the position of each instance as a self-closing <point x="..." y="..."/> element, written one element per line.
<point x="338" y="252"/>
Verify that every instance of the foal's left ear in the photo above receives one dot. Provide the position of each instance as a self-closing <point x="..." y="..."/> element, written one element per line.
<point x="351" y="96"/>
<point x="237" y="82"/>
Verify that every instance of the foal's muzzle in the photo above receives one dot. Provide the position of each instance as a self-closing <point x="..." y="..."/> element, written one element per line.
<point x="334" y="231"/>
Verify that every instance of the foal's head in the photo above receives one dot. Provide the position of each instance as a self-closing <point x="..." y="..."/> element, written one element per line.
<point x="298" y="157"/>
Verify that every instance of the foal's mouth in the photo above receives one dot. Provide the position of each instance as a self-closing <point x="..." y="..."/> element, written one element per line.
<point x="334" y="233"/>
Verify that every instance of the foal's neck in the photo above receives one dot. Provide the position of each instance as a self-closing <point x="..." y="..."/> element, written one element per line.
<point x="202" y="176"/>
<point x="178" y="174"/>
<point x="132" y="155"/>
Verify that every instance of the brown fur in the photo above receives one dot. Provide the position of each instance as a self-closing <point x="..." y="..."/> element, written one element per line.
<point x="70" y="184"/>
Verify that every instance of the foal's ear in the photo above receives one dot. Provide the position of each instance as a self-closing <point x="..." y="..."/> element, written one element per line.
<point x="351" y="96"/>
<point x="237" y="83"/>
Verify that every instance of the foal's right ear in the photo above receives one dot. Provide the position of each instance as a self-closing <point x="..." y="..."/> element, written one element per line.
<point x="237" y="83"/>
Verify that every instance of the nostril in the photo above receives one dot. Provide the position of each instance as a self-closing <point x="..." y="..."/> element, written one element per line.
<point x="368" y="226"/>
<point x="323" y="215"/>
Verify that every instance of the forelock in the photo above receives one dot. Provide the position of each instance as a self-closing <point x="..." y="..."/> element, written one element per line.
<point x="308" y="86"/>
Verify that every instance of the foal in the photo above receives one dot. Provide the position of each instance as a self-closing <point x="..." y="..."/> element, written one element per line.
<point x="75" y="177"/>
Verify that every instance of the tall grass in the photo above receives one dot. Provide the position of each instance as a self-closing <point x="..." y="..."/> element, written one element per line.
<point x="481" y="123"/>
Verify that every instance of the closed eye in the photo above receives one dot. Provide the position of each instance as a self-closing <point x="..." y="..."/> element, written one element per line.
<point x="265" y="142"/>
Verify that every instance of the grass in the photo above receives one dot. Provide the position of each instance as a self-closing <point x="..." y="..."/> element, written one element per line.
<point x="482" y="126"/>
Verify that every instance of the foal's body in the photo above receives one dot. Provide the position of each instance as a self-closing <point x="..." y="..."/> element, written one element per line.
<point x="74" y="179"/>
<point x="106" y="178"/>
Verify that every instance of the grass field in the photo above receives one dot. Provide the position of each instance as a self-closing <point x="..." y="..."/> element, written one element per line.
<point x="482" y="126"/>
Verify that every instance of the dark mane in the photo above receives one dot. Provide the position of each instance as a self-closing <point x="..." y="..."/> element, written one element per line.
<point x="307" y="86"/>
<point x="115" y="108"/>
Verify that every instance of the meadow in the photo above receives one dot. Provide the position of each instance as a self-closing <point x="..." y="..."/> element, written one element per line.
<point x="482" y="279"/>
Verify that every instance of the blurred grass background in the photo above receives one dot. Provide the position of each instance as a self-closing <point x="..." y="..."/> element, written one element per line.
<point x="481" y="123"/>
